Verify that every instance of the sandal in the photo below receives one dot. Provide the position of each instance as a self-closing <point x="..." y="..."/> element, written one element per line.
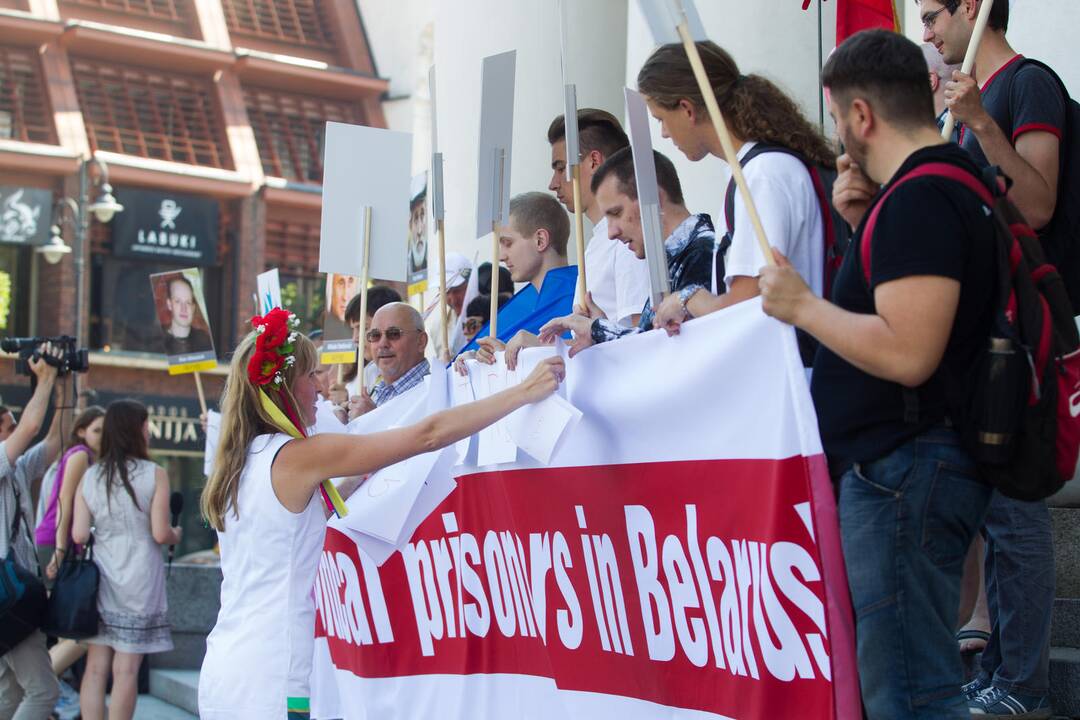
<point x="981" y="638"/>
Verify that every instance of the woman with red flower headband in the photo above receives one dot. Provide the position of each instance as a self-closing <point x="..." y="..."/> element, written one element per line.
<point x="263" y="499"/>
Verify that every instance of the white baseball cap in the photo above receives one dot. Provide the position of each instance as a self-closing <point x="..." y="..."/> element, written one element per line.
<point x="458" y="269"/>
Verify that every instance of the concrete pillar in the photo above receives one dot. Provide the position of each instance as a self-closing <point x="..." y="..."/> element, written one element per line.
<point x="467" y="32"/>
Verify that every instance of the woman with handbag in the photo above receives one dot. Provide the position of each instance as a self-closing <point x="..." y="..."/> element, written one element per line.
<point x="263" y="499"/>
<point x="124" y="497"/>
<point x="53" y="533"/>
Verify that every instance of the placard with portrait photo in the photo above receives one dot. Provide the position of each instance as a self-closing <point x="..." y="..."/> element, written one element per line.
<point x="180" y="306"/>
<point x="338" y="344"/>
<point x="418" y="235"/>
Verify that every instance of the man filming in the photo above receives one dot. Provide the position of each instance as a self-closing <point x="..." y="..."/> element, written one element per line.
<point x="28" y="686"/>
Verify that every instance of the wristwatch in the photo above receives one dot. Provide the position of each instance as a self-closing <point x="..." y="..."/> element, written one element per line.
<point x="684" y="297"/>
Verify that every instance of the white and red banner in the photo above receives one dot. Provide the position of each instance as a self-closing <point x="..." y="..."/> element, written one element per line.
<point x="678" y="557"/>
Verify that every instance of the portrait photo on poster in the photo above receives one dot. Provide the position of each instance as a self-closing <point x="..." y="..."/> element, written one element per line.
<point x="340" y="289"/>
<point x="180" y="306"/>
<point x="418" y="234"/>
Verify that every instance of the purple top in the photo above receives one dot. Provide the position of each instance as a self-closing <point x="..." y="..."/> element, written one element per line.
<point x="45" y="534"/>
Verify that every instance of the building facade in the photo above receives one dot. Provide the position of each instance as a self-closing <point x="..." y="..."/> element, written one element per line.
<point x="207" y="117"/>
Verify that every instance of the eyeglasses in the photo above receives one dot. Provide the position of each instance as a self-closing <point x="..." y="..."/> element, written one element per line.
<point x="929" y="19"/>
<point x="393" y="334"/>
<point x="473" y="324"/>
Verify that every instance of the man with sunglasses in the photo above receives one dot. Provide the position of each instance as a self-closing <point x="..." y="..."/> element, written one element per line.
<point x="1010" y="113"/>
<point x="396" y="343"/>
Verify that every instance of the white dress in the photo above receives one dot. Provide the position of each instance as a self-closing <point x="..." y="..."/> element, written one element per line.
<point x="131" y="592"/>
<point x="259" y="653"/>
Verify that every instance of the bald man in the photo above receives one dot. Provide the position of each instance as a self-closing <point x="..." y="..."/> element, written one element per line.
<point x="396" y="343"/>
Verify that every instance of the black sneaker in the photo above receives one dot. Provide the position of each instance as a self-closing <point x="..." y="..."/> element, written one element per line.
<point x="999" y="704"/>
<point x="975" y="688"/>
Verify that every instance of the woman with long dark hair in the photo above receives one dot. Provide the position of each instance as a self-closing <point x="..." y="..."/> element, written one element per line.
<point x="124" y="498"/>
<point x="53" y="533"/>
<point x="758" y="115"/>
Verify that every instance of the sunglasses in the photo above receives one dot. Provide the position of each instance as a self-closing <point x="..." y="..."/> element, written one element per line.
<point x="393" y="334"/>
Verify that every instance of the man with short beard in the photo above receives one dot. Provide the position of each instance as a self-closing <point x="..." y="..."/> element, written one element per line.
<point x="910" y="496"/>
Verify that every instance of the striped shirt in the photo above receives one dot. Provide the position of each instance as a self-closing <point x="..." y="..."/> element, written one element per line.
<point x="384" y="391"/>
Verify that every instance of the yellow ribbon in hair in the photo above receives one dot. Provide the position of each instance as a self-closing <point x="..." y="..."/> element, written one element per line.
<point x="285" y="425"/>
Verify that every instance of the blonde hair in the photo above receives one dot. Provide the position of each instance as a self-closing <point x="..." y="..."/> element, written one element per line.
<point x="242" y="420"/>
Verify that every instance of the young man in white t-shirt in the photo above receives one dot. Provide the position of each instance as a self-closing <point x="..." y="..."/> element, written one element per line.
<point x="755" y="110"/>
<point x="618" y="281"/>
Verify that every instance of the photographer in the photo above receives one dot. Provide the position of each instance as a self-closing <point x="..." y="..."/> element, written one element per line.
<point x="28" y="687"/>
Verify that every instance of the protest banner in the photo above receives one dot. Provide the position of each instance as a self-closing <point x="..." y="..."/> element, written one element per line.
<point x="677" y="557"/>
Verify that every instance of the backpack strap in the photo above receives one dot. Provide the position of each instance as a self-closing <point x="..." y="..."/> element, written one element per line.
<point x="729" y="195"/>
<point x="937" y="169"/>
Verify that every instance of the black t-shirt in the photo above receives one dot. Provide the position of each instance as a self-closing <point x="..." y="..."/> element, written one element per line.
<point x="1020" y="98"/>
<point x="196" y="341"/>
<point x="928" y="226"/>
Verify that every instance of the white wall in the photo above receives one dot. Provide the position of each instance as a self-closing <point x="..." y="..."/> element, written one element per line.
<point x="774" y="38"/>
<point x="400" y="34"/>
<point x="466" y="32"/>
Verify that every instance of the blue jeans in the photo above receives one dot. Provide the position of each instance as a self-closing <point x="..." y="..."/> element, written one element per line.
<point x="906" y="522"/>
<point x="1019" y="594"/>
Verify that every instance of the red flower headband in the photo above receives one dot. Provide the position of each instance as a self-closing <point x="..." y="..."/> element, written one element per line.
<point x="276" y="333"/>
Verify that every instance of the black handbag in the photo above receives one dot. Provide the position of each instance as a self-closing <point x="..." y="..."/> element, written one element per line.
<point x="73" y="608"/>
<point x="23" y="600"/>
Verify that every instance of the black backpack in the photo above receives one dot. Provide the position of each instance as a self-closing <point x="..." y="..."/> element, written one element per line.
<point x="1016" y="409"/>
<point x="1061" y="237"/>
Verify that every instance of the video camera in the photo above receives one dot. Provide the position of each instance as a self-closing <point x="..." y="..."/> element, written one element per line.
<point x="73" y="359"/>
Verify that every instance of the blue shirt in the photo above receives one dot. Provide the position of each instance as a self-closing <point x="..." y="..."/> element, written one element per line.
<point x="529" y="310"/>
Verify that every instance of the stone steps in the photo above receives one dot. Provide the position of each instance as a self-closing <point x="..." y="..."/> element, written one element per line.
<point x="151" y="708"/>
<point x="179" y="688"/>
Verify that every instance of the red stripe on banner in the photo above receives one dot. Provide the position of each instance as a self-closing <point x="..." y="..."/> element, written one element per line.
<point x="694" y="585"/>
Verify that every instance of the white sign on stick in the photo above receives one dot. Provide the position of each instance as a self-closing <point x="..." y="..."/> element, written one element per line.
<point x="663" y="16"/>
<point x="365" y="166"/>
<point x="269" y="287"/>
<point x="496" y="138"/>
<point x="637" y="115"/>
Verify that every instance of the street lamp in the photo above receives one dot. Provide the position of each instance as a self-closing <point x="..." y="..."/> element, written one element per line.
<point x="103" y="208"/>
<point x="54" y="250"/>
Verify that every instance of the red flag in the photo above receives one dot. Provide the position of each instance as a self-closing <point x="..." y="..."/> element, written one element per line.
<point x="855" y="15"/>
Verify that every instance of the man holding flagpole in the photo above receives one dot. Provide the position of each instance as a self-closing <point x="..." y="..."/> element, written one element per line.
<point x="1011" y="113"/>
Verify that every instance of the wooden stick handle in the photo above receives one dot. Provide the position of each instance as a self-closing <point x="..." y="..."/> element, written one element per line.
<point x="969" y="58"/>
<point x="730" y="151"/>
<point x="579" y="225"/>
<point x="199" y="390"/>
<point x="493" y="324"/>
<point x="444" y="319"/>
<point x="361" y="338"/>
